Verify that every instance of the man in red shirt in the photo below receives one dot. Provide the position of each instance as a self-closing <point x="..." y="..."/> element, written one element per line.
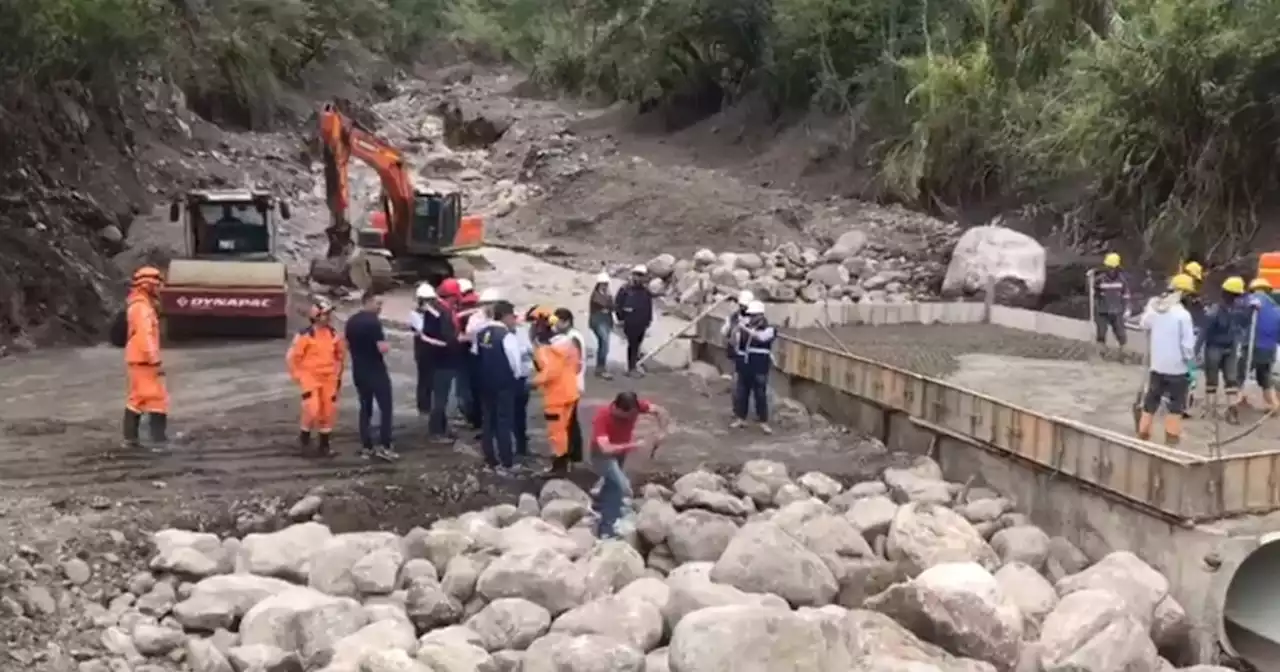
<point x="612" y="438"/>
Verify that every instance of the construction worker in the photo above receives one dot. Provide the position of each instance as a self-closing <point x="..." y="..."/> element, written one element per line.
<point x="147" y="393"/>
<point x="570" y="337"/>
<point x="558" y="365"/>
<point x="612" y="439"/>
<point x="1172" y="359"/>
<point x="754" y="359"/>
<point x="600" y="321"/>
<point x="476" y="322"/>
<point x="1195" y="302"/>
<point x="1219" y="343"/>
<point x="468" y="304"/>
<point x="633" y="307"/>
<point x="316" y="360"/>
<point x="424" y="292"/>
<point x="1266" y="337"/>
<point x="1111" y="300"/>
<point x="437" y="339"/>
<point x="499" y="363"/>
<point x="367" y="345"/>
<point x="728" y="330"/>
<point x="450" y="290"/>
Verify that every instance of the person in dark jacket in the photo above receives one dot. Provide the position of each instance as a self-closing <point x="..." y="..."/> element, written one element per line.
<point x="367" y="345"/>
<point x="498" y="366"/>
<point x="754" y="337"/>
<point x="633" y="307"/>
<point x="1111" y="300"/>
<point x="1219" y="343"/>
<point x="436" y="344"/>
<point x="600" y="321"/>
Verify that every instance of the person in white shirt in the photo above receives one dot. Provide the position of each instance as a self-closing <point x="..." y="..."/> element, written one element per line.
<point x="524" y="340"/>
<point x="471" y="328"/>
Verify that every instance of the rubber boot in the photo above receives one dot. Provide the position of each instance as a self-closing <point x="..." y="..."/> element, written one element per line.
<point x="1172" y="430"/>
<point x="132" y="423"/>
<point x="304" y="441"/>
<point x="1144" y="425"/>
<point x="559" y="466"/>
<point x="158" y="423"/>
<point x="324" y="449"/>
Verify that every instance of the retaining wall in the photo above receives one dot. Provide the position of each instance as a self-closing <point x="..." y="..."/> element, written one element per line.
<point x="1102" y="490"/>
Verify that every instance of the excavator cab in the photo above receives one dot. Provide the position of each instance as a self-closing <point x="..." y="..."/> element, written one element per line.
<point x="433" y="224"/>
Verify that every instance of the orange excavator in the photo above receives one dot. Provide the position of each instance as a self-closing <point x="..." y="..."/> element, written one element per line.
<point x="416" y="234"/>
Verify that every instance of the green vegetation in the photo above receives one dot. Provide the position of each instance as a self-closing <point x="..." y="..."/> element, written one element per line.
<point x="1154" y="119"/>
<point x="1158" y="119"/>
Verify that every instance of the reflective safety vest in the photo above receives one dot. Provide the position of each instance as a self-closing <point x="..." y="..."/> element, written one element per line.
<point x="493" y="367"/>
<point x="754" y="350"/>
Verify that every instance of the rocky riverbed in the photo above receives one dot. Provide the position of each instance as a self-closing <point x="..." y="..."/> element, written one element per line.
<point x="762" y="570"/>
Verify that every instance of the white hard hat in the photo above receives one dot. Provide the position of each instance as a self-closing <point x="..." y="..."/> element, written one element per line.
<point x="602" y="276"/>
<point x="464" y="285"/>
<point x="755" y="308"/>
<point x="490" y="295"/>
<point x="425" y="291"/>
<point x="640" y="269"/>
<point x="745" y="297"/>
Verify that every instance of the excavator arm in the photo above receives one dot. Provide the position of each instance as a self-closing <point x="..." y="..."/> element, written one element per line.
<point x="343" y="140"/>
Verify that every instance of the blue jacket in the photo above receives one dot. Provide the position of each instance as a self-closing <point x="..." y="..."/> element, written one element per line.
<point x="1267" y="334"/>
<point x="437" y="326"/>
<point x="755" y="348"/>
<point x="493" y="365"/>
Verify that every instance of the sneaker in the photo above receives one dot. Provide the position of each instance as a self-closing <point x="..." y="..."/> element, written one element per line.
<point x="366" y="452"/>
<point x="737" y="424"/>
<point x="764" y="427"/>
<point x="385" y="454"/>
<point x="603" y="375"/>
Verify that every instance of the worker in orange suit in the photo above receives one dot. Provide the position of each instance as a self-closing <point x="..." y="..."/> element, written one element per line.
<point x="147" y="393"/>
<point x="316" y="360"/>
<point x="557" y="376"/>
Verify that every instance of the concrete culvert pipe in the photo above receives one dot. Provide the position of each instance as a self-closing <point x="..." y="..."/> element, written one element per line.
<point x="1251" y="609"/>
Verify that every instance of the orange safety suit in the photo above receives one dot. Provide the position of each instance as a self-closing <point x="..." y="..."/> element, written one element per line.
<point x="316" y="360"/>
<point x="557" y="377"/>
<point x="147" y="393"/>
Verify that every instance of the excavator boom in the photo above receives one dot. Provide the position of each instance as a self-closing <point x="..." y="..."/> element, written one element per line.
<point x="415" y="232"/>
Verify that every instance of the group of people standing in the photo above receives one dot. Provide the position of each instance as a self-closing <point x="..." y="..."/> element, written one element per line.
<point x="1230" y="338"/>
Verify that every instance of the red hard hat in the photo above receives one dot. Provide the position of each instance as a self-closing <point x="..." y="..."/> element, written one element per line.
<point x="449" y="288"/>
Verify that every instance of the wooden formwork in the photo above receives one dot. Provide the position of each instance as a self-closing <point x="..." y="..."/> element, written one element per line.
<point x="1176" y="484"/>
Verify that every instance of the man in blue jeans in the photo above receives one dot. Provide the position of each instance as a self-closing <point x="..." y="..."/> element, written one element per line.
<point x="368" y="346"/>
<point x="612" y="439"/>
<point x="600" y="320"/>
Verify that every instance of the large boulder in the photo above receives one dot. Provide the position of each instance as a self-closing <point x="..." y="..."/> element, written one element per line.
<point x="1014" y="262"/>
<point x="1095" y="631"/>
<point x="745" y="638"/>
<point x="332" y="563"/>
<point x="1124" y="575"/>
<point x="285" y="554"/>
<point x="636" y="622"/>
<point x="302" y="620"/>
<point x="581" y="653"/>
<point x="510" y="623"/>
<point x="692" y="589"/>
<point x="763" y="558"/>
<point x="220" y="601"/>
<point x="870" y="635"/>
<point x="539" y="575"/>
<point x="923" y="535"/>
<point x="961" y="607"/>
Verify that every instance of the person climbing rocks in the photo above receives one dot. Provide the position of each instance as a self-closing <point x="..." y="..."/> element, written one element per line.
<point x="144" y="371"/>
<point x="316" y="360"/>
<point x="1111" y="300"/>
<point x="612" y="439"/>
<point x="600" y="321"/>
<point x="1172" y="359"/>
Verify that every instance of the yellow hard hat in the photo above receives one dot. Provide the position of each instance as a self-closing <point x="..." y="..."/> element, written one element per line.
<point x="1112" y="260"/>
<point x="1260" y="283"/>
<point x="1233" y="284"/>
<point x="1194" y="269"/>
<point x="1183" y="282"/>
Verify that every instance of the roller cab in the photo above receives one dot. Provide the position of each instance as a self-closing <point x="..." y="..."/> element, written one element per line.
<point x="230" y="282"/>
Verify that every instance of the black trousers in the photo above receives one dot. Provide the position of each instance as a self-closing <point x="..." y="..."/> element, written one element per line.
<point x="635" y="338"/>
<point x="575" y="435"/>
<point x="374" y="389"/>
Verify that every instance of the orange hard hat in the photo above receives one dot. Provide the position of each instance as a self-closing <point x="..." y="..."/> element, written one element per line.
<point x="147" y="275"/>
<point x="449" y="288"/>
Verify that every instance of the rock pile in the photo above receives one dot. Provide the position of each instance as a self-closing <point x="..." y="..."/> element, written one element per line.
<point x="846" y="271"/>
<point x="759" y="573"/>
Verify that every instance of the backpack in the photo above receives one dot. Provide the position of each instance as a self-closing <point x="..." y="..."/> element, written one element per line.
<point x="119" y="332"/>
